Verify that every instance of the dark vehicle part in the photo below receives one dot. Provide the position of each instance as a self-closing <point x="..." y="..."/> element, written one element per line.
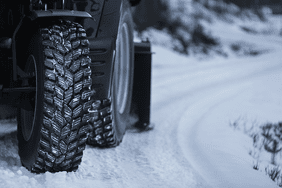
<point x="141" y="96"/>
<point x="53" y="120"/>
<point x="134" y="2"/>
<point x="112" y="115"/>
<point x="58" y="13"/>
<point x="102" y="48"/>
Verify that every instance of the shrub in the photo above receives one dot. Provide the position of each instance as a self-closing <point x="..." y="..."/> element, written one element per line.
<point x="184" y="28"/>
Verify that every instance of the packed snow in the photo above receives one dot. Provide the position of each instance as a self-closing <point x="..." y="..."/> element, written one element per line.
<point x="195" y="102"/>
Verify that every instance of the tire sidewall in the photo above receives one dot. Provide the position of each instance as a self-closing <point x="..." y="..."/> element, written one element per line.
<point x="28" y="149"/>
<point x="121" y="121"/>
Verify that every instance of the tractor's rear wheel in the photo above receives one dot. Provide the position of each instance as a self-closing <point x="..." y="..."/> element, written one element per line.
<point x="53" y="120"/>
<point x="113" y="114"/>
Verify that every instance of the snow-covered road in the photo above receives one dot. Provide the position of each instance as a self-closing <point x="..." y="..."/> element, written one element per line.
<point x="197" y="101"/>
<point x="192" y="144"/>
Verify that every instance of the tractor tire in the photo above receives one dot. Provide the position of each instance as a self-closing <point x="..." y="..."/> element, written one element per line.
<point x="113" y="114"/>
<point x="53" y="121"/>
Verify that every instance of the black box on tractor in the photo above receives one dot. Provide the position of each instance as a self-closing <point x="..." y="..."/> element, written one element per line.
<point x="74" y="75"/>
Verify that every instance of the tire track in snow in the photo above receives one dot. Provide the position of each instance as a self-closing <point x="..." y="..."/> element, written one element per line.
<point x="188" y="129"/>
<point x="204" y="157"/>
<point x="198" y="97"/>
<point x="184" y="85"/>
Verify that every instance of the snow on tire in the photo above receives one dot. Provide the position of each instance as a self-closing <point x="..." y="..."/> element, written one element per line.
<point x="52" y="134"/>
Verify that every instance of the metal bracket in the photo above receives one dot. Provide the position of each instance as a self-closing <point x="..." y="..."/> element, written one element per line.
<point x="58" y="13"/>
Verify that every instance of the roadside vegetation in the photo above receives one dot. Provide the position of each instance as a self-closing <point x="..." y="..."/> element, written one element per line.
<point x="183" y="23"/>
<point x="266" y="149"/>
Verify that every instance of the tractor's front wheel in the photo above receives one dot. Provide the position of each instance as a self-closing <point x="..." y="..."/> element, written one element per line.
<point x="53" y="119"/>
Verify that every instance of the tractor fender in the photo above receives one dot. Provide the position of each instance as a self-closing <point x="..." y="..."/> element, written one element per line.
<point x="32" y="22"/>
<point x="58" y="13"/>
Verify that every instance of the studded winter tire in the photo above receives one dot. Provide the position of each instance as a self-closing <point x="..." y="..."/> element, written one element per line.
<point x="113" y="114"/>
<point x="53" y="123"/>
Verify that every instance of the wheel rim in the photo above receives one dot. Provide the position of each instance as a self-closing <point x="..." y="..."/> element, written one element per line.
<point x="27" y="116"/>
<point x="123" y="68"/>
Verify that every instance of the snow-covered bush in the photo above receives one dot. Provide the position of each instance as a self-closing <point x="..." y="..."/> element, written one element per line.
<point x="268" y="137"/>
<point x="267" y="142"/>
<point x="184" y="22"/>
<point x="181" y="21"/>
<point x="272" y="140"/>
<point x="273" y="172"/>
<point x="241" y="48"/>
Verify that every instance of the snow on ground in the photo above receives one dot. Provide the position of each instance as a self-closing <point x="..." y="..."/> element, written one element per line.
<point x="210" y="94"/>
<point x="192" y="143"/>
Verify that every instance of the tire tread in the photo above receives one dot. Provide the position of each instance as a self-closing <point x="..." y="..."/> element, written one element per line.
<point x="63" y="134"/>
<point x="101" y="130"/>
